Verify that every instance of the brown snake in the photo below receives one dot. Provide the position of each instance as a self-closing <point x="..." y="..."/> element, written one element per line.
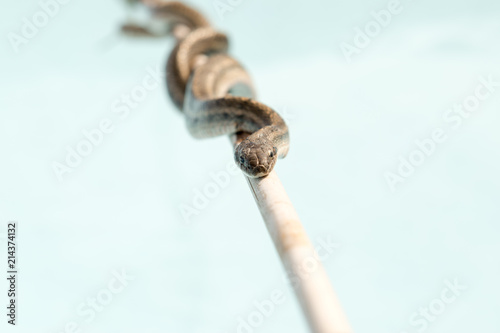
<point x="213" y="90"/>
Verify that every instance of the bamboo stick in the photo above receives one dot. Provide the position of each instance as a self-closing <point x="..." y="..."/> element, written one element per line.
<point x="312" y="286"/>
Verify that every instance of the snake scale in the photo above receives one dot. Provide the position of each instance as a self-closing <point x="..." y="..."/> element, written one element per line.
<point x="213" y="90"/>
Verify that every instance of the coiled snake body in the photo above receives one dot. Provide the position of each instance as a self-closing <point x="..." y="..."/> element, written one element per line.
<point x="215" y="93"/>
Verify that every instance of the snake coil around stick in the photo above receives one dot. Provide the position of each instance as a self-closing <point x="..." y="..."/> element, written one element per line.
<point x="214" y="91"/>
<point x="215" y="94"/>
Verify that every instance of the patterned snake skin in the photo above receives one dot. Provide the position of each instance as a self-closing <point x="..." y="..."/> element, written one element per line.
<point x="213" y="90"/>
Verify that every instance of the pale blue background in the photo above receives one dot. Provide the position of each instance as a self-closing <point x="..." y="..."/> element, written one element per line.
<point x="348" y="123"/>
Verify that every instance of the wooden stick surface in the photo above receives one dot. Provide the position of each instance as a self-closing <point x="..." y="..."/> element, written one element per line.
<point x="311" y="284"/>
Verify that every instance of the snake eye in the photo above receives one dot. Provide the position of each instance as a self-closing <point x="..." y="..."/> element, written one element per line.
<point x="273" y="152"/>
<point x="242" y="160"/>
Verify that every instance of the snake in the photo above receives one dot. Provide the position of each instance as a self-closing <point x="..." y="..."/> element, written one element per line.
<point x="215" y="93"/>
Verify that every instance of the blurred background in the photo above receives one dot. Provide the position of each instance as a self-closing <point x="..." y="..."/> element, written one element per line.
<point x="393" y="168"/>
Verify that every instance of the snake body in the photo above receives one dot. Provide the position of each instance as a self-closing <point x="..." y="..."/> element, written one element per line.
<point x="215" y="93"/>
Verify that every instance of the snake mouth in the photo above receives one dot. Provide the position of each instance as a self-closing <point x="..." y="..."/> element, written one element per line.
<point x="256" y="158"/>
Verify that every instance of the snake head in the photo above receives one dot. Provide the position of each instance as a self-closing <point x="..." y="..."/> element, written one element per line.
<point x="256" y="157"/>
